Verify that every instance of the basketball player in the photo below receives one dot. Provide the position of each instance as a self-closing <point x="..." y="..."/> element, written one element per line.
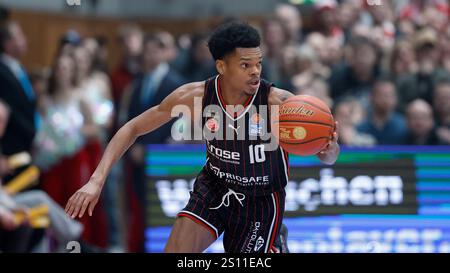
<point x="239" y="191"/>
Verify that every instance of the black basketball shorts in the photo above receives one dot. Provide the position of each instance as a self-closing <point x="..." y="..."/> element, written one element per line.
<point x="251" y="224"/>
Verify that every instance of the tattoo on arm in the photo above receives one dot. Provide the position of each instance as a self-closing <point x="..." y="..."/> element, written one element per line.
<point x="285" y="95"/>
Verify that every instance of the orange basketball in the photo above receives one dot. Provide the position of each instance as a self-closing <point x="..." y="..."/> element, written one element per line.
<point x="305" y="125"/>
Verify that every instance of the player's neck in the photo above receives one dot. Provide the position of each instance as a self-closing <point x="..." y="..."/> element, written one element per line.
<point x="230" y="96"/>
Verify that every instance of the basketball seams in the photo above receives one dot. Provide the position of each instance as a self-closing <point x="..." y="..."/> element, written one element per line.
<point x="304" y="142"/>
<point x="309" y="103"/>
<point x="309" y="122"/>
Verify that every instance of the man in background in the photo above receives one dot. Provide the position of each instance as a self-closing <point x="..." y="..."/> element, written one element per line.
<point x="16" y="92"/>
<point x="156" y="80"/>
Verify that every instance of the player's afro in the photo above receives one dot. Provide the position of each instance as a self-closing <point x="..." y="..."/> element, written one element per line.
<point x="227" y="37"/>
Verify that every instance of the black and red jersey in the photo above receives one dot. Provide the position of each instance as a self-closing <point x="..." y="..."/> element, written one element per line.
<point x="237" y="151"/>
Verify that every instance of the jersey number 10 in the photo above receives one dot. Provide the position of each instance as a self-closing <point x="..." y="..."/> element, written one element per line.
<point x="256" y="153"/>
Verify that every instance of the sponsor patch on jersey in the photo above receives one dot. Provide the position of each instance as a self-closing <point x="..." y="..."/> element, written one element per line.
<point x="255" y="125"/>
<point x="212" y="124"/>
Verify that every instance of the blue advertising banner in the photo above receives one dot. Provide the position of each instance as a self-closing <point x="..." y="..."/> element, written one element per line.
<point x="382" y="199"/>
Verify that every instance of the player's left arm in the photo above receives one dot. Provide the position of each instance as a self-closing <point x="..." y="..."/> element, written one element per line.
<point x="331" y="152"/>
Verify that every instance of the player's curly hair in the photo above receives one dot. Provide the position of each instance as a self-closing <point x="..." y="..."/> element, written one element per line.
<point x="227" y="37"/>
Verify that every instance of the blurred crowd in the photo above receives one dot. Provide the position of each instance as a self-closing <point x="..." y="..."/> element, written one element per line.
<point x="383" y="69"/>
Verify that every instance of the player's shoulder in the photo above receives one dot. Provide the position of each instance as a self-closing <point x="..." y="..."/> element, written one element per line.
<point x="278" y="95"/>
<point x="184" y="95"/>
<point x="192" y="89"/>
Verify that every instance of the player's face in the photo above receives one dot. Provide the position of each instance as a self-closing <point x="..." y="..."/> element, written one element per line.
<point x="242" y="68"/>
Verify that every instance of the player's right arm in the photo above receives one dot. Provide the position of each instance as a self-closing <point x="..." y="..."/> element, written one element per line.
<point x="150" y="120"/>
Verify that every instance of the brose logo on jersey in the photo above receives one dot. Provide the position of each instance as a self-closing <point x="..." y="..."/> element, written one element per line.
<point x="224" y="154"/>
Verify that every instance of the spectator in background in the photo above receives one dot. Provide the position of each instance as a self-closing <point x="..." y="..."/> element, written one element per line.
<point x="387" y="126"/>
<point x="444" y="47"/>
<point x="317" y="41"/>
<point x="328" y="50"/>
<point x="17" y="92"/>
<point x="14" y="237"/>
<point x="318" y="87"/>
<point x="437" y="17"/>
<point x="416" y="10"/>
<point x="153" y="84"/>
<point x="441" y="104"/>
<point x="306" y="64"/>
<point x="405" y="29"/>
<point x="60" y="146"/>
<point x="170" y="47"/>
<point x="94" y="88"/>
<point x="325" y="20"/>
<point x="5" y="112"/>
<point x="68" y="42"/>
<point x="199" y="64"/>
<point x="380" y="20"/>
<point x="130" y="38"/>
<point x="441" y="101"/>
<point x="96" y="105"/>
<point x="4" y="15"/>
<point x="403" y="60"/>
<point x="291" y="19"/>
<point x="148" y="89"/>
<point x="39" y="82"/>
<point x="421" y="83"/>
<point x="348" y="112"/>
<point x="308" y="67"/>
<point x="421" y="130"/>
<point x="97" y="47"/>
<point x="348" y="14"/>
<point x="356" y="75"/>
<point x="288" y="68"/>
<point x="274" y="37"/>
<point x="299" y="66"/>
<point x="64" y="229"/>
